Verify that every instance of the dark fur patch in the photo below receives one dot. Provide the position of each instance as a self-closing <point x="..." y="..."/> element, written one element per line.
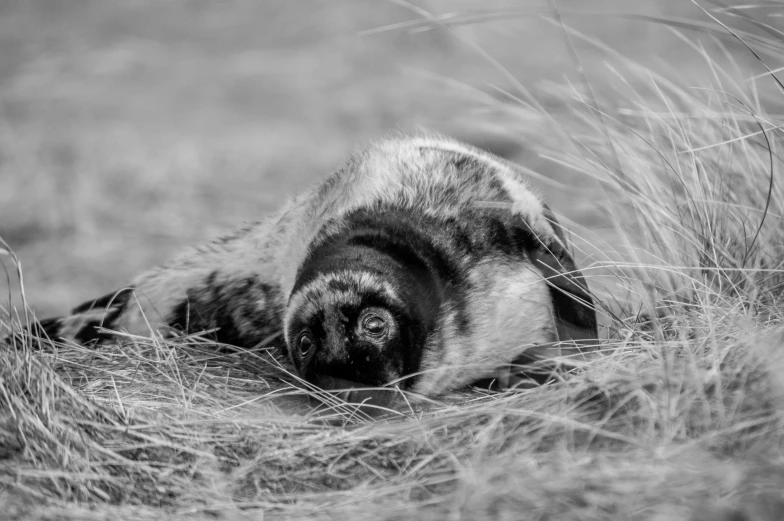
<point x="51" y="327"/>
<point x="446" y="247"/>
<point x="89" y="333"/>
<point x="573" y="305"/>
<point x="244" y="311"/>
<point x="111" y="305"/>
<point x="116" y="299"/>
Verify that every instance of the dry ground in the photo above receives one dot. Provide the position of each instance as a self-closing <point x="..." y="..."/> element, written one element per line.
<point x="131" y="129"/>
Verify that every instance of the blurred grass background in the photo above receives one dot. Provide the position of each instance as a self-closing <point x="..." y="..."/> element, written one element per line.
<point x="130" y="129"/>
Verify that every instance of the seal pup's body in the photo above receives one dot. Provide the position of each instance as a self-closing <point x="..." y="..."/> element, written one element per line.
<point x="423" y="261"/>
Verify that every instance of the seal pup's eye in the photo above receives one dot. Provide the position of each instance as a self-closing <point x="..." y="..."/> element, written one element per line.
<point x="374" y="325"/>
<point x="305" y="343"/>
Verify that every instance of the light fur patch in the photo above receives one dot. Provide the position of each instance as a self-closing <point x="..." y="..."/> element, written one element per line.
<point x="510" y="312"/>
<point x="526" y="202"/>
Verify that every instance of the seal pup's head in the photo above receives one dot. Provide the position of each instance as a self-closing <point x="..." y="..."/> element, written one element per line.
<point x="360" y="311"/>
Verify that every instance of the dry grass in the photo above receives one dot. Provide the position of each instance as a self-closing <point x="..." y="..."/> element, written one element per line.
<point x="679" y="417"/>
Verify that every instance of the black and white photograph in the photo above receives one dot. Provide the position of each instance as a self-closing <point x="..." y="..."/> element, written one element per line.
<point x="392" y="259"/>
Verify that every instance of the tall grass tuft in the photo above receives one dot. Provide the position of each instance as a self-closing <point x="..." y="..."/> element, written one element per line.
<point x="678" y="416"/>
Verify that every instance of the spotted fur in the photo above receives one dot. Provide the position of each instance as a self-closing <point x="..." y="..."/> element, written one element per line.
<point x="443" y="245"/>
